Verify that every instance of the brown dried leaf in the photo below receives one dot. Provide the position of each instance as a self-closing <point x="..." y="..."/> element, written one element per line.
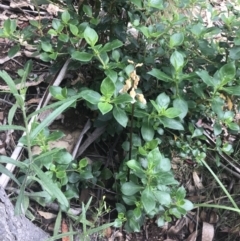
<point x="3" y="151"/>
<point x="19" y="4"/>
<point x="47" y="215"/>
<point x="193" y="236"/>
<point x="65" y="230"/>
<point x="53" y="9"/>
<point x="197" y="180"/>
<point x="203" y="216"/>
<point x="213" y="217"/>
<point x="107" y="232"/>
<point x="229" y="103"/>
<point x="207" y="232"/>
<point x="1" y="115"/>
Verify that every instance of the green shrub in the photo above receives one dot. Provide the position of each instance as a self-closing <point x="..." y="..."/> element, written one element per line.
<point x="156" y="77"/>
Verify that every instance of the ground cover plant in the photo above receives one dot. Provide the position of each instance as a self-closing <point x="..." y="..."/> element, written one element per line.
<point x="163" y="76"/>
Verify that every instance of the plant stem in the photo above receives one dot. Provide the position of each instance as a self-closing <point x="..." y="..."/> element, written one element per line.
<point x="221" y="185"/>
<point x="130" y="138"/>
<point x="218" y="207"/>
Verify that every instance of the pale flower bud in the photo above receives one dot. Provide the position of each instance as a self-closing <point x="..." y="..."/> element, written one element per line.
<point x="141" y="98"/>
<point x="132" y="93"/>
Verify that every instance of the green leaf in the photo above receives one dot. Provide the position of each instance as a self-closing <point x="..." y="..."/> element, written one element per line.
<point x="21" y="165"/>
<point x="66" y="16"/>
<point x="197" y="132"/>
<point x="234" y="126"/>
<point x="163" y="101"/>
<point x="82" y="56"/>
<point x="6" y="77"/>
<point x="5" y="171"/>
<point x="182" y="105"/>
<point x="137" y="212"/>
<point x="13" y="50"/>
<point x="63" y="157"/>
<point x="207" y="79"/>
<point x="217" y="129"/>
<point x="120" y="116"/>
<point x="121" y="99"/>
<point x="90" y="36"/>
<point x="50" y="118"/>
<point x="100" y="228"/>
<point x="11" y="113"/>
<point x="180" y="194"/>
<point x="88" y="10"/>
<point x="159" y="162"/>
<point x="232" y="90"/>
<point x="18" y="210"/>
<point x="11" y="127"/>
<point x="107" y="87"/>
<point x="160" y="221"/>
<point x="145" y="31"/>
<point x="91" y="96"/>
<point x="7" y="26"/>
<point x="104" y="107"/>
<point x="136" y="168"/>
<point x="227" y="73"/>
<point x="177" y="60"/>
<point x="234" y="53"/>
<point x="176" y="40"/>
<point x="129" y="200"/>
<point x="50" y="187"/>
<point x="160" y="75"/>
<point x="148" y="201"/>
<point x="130" y="188"/>
<point x="164" y="198"/>
<point x="167" y="178"/>
<point x="171" y="123"/>
<point x="55" y="135"/>
<point x="172" y="112"/>
<point x="106" y="173"/>
<point x="45" y="57"/>
<point x="116" y="55"/>
<point x="52" y="32"/>
<point x="58" y="92"/>
<point x="57" y="223"/>
<point x="187" y="206"/>
<point x="56" y="24"/>
<point x="147" y="131"/>
<point x="46" y="46"/>
<point x="73" y="29"/>
<point x="111" y="45"/>
<point x="111" y="74"/>
<point x="217" y="107"/>
<point x="138" y="3"/>
<point x="83" y="163"/>
<point x="63" y="37"/>
<point x="156" y="4"/>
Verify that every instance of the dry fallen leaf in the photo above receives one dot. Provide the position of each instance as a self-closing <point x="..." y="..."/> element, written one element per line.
<point x="52" y="9"/>
<point x="207" y="232"/>
<point x="107" y="232"/>
<point x="65" y="230"/>
<point x="193" y="236"/>
<point x="47" y="215"/>
<point x="213" y="217"/>
<point x="229" y="103"/>
<point x="197" y="180"/>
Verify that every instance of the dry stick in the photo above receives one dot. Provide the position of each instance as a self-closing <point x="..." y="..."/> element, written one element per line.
<point x="4" y="179"/>
<point x="95" y="134"/>
<point x="84" y="130"/>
